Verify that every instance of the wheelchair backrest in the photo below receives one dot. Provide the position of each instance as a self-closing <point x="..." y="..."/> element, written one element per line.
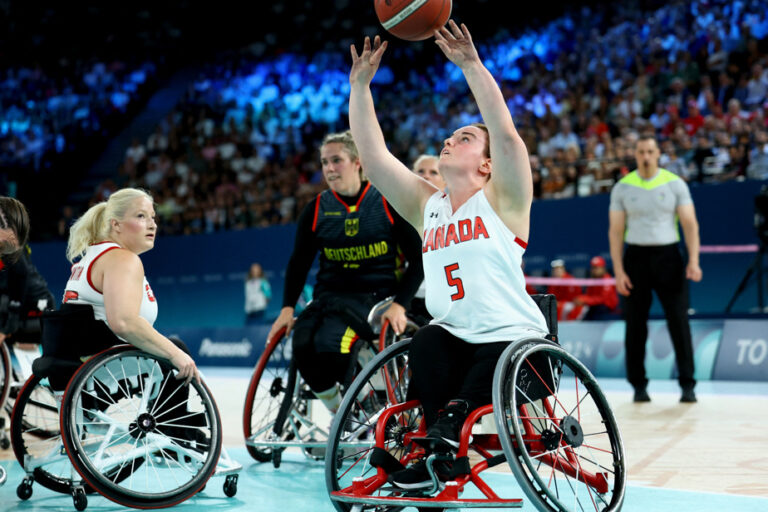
<point x="72" y="332"/>
<point x="548" y="305"/>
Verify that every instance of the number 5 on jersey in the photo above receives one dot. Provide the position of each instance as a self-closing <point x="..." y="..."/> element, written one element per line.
<point x="454" y="281"/>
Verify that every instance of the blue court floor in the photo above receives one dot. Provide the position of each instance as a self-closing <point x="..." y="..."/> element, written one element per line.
<point x="299" y="485"/>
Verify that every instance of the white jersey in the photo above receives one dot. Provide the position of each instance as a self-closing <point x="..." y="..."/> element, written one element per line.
<point x="80" y="288"/>
<point x="472" y="267"/>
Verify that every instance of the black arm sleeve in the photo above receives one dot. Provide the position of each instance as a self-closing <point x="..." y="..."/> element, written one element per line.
<point x="17" y="273"/>
<point x="409" y="241"/>
<point x="305" y="249"/>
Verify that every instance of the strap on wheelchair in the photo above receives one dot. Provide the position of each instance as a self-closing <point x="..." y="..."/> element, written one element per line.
<point x="381" y="458"/>
<point x="460" y="467"/>
<point x="496" y="460"/>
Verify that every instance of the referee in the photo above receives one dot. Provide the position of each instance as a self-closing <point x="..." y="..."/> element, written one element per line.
<point x="644" y="239"/>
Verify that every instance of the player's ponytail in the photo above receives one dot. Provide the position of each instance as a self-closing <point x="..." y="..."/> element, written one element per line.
<point x="94" y="226"/>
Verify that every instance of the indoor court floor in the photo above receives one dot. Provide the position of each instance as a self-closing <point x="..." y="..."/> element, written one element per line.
<point x="708" y="456"/>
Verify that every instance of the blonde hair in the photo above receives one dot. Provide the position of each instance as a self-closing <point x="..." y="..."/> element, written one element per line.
<point x="95" y="224"/>
<point x="344" y="138"/>
<point x="421" y="159"/>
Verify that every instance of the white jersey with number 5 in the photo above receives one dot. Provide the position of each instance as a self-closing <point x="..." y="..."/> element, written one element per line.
<point x="472" y="267"/>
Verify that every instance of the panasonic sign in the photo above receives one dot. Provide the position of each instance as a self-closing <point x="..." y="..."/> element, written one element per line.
<point x="210" y="348"/>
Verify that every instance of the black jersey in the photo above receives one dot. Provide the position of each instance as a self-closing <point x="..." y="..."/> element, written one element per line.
<point x="356" y="242"/>
<point x="362" y="244"/>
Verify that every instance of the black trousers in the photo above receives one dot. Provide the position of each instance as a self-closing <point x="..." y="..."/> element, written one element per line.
<point x="444" y="367"/>
<point x="324" y="335"/>
<point x="660" y="269"/>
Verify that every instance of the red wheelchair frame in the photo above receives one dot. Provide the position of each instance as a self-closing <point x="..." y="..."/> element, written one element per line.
<point x="542" y="433"/>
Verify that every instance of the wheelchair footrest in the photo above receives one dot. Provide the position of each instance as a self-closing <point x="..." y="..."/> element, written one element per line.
<point x="408" y="501"/>
<point x="434" y="444"/>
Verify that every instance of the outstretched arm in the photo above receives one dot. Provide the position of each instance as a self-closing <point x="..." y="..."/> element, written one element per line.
<point x="407" y="192"/>
<point x="511" y="187"/>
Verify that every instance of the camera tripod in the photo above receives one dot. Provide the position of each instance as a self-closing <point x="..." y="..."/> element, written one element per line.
<point x="757" y="268"/>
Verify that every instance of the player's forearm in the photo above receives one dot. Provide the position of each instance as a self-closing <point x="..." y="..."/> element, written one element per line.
<point x="139" y="333"/>
<point x="366" y="130"/>
<point x="488" y="97"/>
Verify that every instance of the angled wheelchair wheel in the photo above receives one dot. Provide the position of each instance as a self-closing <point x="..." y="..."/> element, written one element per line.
<point x="275" y="406"/>
<point x="383" y="382"/>
<point x="36" y="438"/>
<point x="558" y="432"/>
<point x="6" y="373"/>
<point x="135" y="433"/>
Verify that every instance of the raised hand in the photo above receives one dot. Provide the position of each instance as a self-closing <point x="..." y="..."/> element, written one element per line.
<point x="456" y="43"/>
<point x="365" y="65"/>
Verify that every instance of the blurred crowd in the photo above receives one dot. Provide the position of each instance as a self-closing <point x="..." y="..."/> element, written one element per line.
<point x="240" y="149"/>
<point x="43" y="114"/>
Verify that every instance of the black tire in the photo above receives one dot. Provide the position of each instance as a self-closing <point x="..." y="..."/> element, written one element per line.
<point x="80" y="501"/>
<point x="230" y="486"/>
<point x="24" y="490"/>
<point x="167" y="442"/>
<point x="382" y="382"/>
<point x="35" y="436"/>
<point x="272" y="400"/>
<point x="557" y="430"/>
<point x="6" y="373"/>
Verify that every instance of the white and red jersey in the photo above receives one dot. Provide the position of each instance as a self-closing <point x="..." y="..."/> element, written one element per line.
<point x="80" y="288"/>
<point x="472" y="267"/>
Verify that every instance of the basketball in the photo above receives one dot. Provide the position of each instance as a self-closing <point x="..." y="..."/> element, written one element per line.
<point x="413" y="20"/>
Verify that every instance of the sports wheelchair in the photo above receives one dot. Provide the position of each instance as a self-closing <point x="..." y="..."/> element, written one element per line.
<point x="553" y="427"/>
<point x="119" y="424"/>
<point x="281" y="411"/>
<point x="15" y="367"/>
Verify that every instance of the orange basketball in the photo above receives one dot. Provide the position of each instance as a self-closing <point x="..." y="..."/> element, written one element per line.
<point x="413" y="20"/>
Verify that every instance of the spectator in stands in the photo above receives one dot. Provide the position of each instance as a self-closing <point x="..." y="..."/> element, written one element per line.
<point x="258" y="293"/>
<point x="598" y="300"/>
<point x="757" y="88"/>
<point x="758" y="157"/>
<point x="670" y="161"/>
<point x="565" y="137"/>
<point x="255" y="94"/>
<point x="564" y="293"/>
